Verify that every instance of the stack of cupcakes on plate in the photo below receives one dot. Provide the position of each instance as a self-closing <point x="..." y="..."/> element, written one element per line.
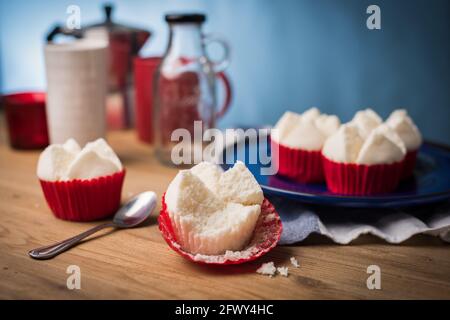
<point x="81" y="184"/>
<point x="362" y="157"/>
<point x="297" y="144"/>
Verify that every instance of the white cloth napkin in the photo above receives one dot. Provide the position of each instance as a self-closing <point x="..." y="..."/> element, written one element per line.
<point x="343" y="225"/>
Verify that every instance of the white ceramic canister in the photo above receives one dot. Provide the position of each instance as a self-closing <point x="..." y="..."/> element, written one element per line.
<point x="76" y="90"/>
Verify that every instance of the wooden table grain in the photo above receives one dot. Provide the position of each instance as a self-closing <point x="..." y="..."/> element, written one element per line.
<point x="137" y="263"/>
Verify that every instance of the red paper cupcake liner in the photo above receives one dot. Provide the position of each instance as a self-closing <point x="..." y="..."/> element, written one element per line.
<point x="409" y="164"/>
<point x="357" y="179"/>
<point x="299" y="165"/>
<point x="84" y="200"/>
<point x="265" y="237"/>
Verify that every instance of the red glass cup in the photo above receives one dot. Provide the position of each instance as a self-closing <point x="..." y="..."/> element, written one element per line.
<point x="26" y="120"/>
<point x="144" y="69"/>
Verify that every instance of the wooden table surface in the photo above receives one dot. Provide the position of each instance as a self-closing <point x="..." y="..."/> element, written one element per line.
<point x="138" y="264"/>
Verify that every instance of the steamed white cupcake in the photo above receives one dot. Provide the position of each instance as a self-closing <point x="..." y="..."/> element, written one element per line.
<point x="358" y="165"/>
<point x="214" y="211"/>
<point x="297" y="140"/>
<point x="81" y="184"/>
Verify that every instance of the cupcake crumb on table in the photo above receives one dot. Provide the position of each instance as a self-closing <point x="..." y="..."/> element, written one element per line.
<point x="267" y="268"/>
<point x="284" y="271"/>
<point x="294" y="262"/>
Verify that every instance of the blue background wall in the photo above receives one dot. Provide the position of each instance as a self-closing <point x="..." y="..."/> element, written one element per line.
<point x="288" y="54"/>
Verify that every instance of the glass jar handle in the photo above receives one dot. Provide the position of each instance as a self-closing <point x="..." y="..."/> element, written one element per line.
<point x="219" y="67"/>
<point x="228" y="94"/>
<point x="222" y="64"/>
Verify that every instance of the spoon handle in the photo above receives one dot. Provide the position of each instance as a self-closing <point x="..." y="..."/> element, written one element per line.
<point x="53" y="250"/>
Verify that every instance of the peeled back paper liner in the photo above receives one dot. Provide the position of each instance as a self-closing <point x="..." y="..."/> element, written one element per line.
<point x="265" y="237"/>
<point x="300" y="165"/>
<point x="84" y="200"/>
<point x="358" y="179"/>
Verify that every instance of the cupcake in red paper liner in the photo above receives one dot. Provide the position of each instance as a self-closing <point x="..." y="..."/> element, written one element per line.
<point x="297" y="141"/>
<point x="81" y="184"/>
<point x="404" y="126"/>
<point x="357" y="166"/>
<point x="215" y="217"/>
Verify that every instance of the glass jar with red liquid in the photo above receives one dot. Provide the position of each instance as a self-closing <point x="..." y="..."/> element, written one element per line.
<point x="185" y="85"/>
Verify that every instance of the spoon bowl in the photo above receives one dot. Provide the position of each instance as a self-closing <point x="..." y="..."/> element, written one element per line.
<point x="136" y="210"/>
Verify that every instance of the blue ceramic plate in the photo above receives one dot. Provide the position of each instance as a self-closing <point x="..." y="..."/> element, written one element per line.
<point x="430" y="183"/>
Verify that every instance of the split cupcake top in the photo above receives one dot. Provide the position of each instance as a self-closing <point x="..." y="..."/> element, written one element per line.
<point x="68" y="161"/>
<point x="213" y="211"/>
<point x="307" y="131"/>
<point x="347" y="145"/>
<point x="366" y="121"/>
<point x="403" y="125"/>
